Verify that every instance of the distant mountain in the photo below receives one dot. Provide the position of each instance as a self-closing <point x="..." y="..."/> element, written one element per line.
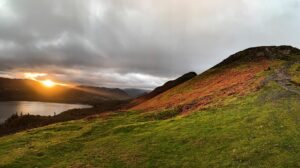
<point x="29" y="90"/>
<point x="134" y="93"/>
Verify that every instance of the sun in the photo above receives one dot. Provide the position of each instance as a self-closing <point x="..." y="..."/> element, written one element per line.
<point x="48" y="83"/>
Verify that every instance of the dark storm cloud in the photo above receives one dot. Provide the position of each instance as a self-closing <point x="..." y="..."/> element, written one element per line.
<point x="133" y="43"/>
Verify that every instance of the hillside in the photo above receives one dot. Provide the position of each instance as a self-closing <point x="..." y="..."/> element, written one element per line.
<point x="29" y="90"/>
<point x="161" y="89"/>
<point x="238" y="75"/>
<point x="244" y="112"/>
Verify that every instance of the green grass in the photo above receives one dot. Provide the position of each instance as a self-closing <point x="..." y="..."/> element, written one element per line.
<point x="259" y="130"/>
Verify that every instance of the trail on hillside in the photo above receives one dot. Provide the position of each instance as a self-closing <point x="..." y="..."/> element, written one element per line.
<point x="284" y="80"/>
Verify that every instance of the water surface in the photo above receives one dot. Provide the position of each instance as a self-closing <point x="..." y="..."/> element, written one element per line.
<point x="7" y="109"/>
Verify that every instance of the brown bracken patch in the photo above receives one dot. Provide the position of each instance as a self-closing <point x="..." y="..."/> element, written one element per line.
<point x="210" y="88"/>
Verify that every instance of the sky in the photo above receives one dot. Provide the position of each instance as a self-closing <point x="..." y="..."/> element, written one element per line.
<point x="135" y="43"/>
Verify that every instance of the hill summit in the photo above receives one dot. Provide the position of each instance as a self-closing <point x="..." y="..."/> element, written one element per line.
<point x="287" y="53"/>
<point x="238" y="75"/>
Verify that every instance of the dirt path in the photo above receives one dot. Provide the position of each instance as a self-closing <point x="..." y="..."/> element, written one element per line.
<point x="284" y="80"/>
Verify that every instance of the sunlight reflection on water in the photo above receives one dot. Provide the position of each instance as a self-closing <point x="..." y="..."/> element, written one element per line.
<point x="35" y="108"/>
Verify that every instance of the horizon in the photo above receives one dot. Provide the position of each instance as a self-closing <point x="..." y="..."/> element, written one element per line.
<point x="45" y="80"/>
<point x="135" y="44"/>
<point x="49" y="83"/>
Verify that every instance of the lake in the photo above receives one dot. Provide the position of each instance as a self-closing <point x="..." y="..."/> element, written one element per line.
<point x="7" y="109"/>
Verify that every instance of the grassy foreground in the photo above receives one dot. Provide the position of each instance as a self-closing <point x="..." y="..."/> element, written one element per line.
<point x="259" y="130"/>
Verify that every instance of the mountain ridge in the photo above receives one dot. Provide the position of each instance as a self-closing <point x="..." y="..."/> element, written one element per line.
<point x="161" y="89"/>
<point x="239" y="74"/>
<point x="261" y="52"/>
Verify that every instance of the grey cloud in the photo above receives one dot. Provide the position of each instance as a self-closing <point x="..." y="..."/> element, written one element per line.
<point x="122" y="42"/>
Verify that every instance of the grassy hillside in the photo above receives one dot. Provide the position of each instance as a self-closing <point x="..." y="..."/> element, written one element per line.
<point x="244" y="113"/>
<point x="258" y="130"/>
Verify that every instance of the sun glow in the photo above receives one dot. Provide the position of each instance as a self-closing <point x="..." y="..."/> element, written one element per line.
<point x="42" y="78"/>
<point x="48" y="83"/>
